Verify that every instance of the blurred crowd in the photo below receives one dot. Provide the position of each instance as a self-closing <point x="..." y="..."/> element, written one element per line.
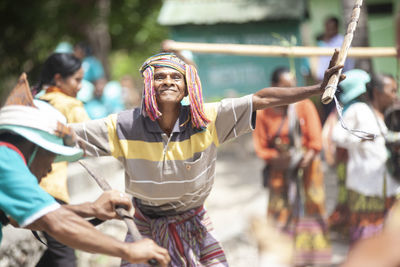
<point x="356" y="137"/>
<point x="99" y="95"/>
<point x="290" y="138"/>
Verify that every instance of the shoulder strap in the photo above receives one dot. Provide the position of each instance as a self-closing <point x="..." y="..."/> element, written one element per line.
<point x="11" y="146"/>
<point x="294" y="127"/>
<point x="278" y="132"/>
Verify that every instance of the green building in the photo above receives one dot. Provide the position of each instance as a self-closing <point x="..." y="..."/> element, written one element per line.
<point x="237" y="22"/>
<point x="381" y="25"/>
<point x="265" y="22"/>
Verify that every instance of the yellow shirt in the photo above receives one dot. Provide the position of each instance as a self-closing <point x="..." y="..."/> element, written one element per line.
<point x="55" y="183"/>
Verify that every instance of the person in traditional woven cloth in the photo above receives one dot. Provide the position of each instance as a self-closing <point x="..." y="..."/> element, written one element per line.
<point x="169" y="152"/>
<point x="382" y="249"/>
<point x="60" y="80"/>
<point x="371" y="188"/>
<point x="31" y="137"/>
<point x="288" y="138"/>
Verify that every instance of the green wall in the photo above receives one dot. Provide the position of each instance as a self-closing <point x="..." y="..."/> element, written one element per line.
<point x="381" y="30"/>
<point x="319" y="10"/>
<point x="381" y="27"/>
<point x="220" y="74"/>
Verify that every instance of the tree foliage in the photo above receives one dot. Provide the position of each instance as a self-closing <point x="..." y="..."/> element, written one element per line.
<point x="30" y="30"/>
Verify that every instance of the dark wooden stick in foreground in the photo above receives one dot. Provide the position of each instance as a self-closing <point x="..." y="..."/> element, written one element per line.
<point x="123" y="213"/>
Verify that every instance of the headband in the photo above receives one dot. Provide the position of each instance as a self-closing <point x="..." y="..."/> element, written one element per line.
<point x="193" y="85"/>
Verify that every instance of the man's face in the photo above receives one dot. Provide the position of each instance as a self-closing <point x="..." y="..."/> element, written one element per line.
<point x="389" y="92"/>
<point x="79" y="53"/>
<point x="41" y="164"/>
<point x="286" y="79"/>
<point x="169" y="85"/>
<point x="331" y="28"/>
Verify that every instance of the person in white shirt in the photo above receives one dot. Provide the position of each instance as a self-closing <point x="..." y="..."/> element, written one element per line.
<point x="371" y="189"/>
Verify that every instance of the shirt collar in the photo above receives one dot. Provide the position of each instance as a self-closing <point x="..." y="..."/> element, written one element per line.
<point x="181" y="123"/>
<point x="16" y="149"/>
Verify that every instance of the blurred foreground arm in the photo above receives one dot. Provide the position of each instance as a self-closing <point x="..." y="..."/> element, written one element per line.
<point x="71" y="230"/>
<point x="381" y="250"/>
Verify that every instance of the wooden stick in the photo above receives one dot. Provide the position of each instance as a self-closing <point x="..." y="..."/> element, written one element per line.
<point x="123" y="213"/>
<point x="275" y="51"/>
<point x="333" y="81"/>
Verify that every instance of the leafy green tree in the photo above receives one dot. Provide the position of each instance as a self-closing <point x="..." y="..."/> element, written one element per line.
<point x="30" y="30"/>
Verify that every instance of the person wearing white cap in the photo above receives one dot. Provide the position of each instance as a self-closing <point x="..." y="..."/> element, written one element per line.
<point x="30" y="140"/>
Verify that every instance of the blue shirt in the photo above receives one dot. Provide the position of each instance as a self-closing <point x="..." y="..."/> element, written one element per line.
<point x="109" y="103"/>
<point x="21" y="197"/>
<point x="93" y="69"/>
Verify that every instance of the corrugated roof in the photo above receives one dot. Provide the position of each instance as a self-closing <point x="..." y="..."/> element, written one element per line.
<point x="179" y="12"/>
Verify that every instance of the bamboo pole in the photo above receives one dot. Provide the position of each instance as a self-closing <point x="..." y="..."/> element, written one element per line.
<point x="333" y="81"/>
<point x="275" y="51"/>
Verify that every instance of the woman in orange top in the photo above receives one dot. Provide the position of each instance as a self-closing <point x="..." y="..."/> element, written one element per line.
<point x="61" y="80"/>
<point x="289" y="139"/>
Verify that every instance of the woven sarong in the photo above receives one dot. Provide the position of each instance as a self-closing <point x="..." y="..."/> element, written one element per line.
<point x="367" y="214"/>
<point x="308" y="231"/>
<point x="188" y="237"/>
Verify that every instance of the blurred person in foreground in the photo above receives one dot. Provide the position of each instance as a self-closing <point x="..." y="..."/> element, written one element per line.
<point x="31" y="138"/>
<point x="169" y="152"/>
<point x="61" y="80"/>
<point x="289" y="139"/>
<point x="371" y="189"/>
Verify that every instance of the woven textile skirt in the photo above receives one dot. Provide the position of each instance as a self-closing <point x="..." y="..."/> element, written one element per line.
<point x="308" y="229"/>
<point x="188" y="237"/>
<point x="367" y="214"/>
<point x="338" y="221"/>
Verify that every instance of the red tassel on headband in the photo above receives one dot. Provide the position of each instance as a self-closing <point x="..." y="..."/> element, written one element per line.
<point x="149" y="94"/>
<point x="199" y="119"/>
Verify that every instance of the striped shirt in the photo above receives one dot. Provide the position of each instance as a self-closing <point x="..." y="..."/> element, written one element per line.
<point x="168" y="174"/>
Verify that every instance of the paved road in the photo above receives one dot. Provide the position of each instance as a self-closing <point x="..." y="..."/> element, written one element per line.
<point x="237" y="195"/>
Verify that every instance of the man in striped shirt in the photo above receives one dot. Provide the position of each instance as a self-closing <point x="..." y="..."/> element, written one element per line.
<point x="169" y="152"/>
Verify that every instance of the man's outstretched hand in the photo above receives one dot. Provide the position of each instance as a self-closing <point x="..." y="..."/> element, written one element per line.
<point x="332" y="69"/>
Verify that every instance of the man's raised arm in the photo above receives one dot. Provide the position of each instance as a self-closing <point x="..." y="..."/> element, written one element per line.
<point x="278" y="96"/>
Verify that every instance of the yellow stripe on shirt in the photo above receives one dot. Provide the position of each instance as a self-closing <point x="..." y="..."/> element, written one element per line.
<point x="153" y="151"/>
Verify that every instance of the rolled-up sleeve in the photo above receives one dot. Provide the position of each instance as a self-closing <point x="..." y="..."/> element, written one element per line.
<point x="97" y="137"/>
<point x="235" y="117"/>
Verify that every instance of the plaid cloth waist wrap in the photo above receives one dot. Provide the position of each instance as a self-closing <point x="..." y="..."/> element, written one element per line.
<point x="187" y="236"/>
